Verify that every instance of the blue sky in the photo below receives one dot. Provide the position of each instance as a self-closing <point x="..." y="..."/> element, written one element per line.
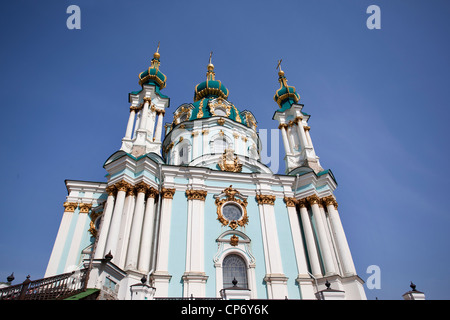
<point x="377" y="99"/>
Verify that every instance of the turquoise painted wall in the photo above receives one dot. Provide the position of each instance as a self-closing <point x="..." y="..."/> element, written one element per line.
<point x="177" y="243"/>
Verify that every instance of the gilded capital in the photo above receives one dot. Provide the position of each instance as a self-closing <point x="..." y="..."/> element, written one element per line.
<point x="314" y="199"/>
<point x="152" y="192"/>
<point x="330" y="200"/>
<point x="196" y="194"/>
<point x="111" y="190"/>
<point x="265" y="199"/>
<point x="302" y="203"/>
<point x="122" y="186"/>
<point x="141" y="187"/>
<point x="282" y="125"/>
<point x="85" y="207"/>
<point x="290" y="202"/>
<point x="306" y="128"/>
<point x="70" y="206"/>
<point x="167" y="193"/>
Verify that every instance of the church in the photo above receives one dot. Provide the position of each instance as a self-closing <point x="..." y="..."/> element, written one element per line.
<point x="190" y="211"/>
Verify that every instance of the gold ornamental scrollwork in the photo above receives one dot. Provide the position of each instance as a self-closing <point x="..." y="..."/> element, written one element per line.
<point x="265" y="199"/>
<point x="330" y="200"/>
<point x="167" y="193"/>
<point x="70" y="206"/>
<point x="85" y="207"/>
<point x="290" y="202"/>
<point x="229" y="162"/>
<point x="196" y="194"/>
<point x="231" y="196"/>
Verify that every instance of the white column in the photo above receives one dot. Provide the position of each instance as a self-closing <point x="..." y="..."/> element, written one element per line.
<point x="144" y="114"/>
<point x="195" y="147"/>
<point x="325" y="249"/>
<point x="151" y="123"/>
<point x="309" y="238"/>
<point x="205" y="139"/>
<point x="52" y="268"/>
<point x="159" y="125"/>
<point x="125" y="229"/>
<point x="147" y="233"/>
<point x="275" y="279"/>
<point x="303" y="278"/>
<point x="111" y="243"/>
<point x="106" y="222"/>
<point x="194" y="276"/>
<point x="130" y="123"/>
<point x="346" y="260"/>
<point x="287" y="147"/>
<point x="75" y="250"/>
<point x="301" y="133"/>
<point x="161" y="276"/>
<point x="136" y="228"/>
<point x="138" y="123"/>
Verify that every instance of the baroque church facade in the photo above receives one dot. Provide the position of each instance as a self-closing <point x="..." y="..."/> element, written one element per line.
<point x="189" y="209"/>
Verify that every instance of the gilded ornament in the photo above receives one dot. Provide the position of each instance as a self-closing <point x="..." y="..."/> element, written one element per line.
<point x="122" y="186"/>
<point x="302" y="203"/>
<point x="196" y="194"/>
<point x="330" y="200"/>
<point x="290" y="202"/>
<point x="141" y="187"/>
<point x="85" y="207"/>
<point x="265" y="199"/>
<point x="231" y="196"/>
<point x="152" y="192"/>
<point x="168" y="193"/>
<point x="221" y="121"/>
<point x="314" y="199"/>
<point x="70" y="206"/>
<point x="234" y="240"/>
<point x="230" y="162"/>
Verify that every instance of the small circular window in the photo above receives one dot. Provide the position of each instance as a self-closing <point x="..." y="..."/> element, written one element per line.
<point x="232" y="211"/>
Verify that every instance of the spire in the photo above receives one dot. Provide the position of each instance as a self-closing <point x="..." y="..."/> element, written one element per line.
<point x="286" y="95"/>
<point x="210" y="75"/>
<point x="153" y="75"/>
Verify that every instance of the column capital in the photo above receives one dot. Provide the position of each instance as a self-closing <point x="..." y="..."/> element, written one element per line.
<point x="265" y="199"/>
<point x="135" y="108"/>
<point x="111" y="190"/>
<point x="70" y="206"/>
<point x="141" y="187"/>
<point x="298" y="119"/>
<point x="330" y="200"/>
<point x="196" y="194"/>
<point x="152" y="192"/>
<point x="167" y="193"/>
<point x="302" y="203"/>
<point x="306" y="128"/>
<point x="147" y="99"/>
<point x="290" y="201"/>
<point x="123" y="186"/>
<point x="314" y="199"/>
<point x="282" y="125"/>
<point x="85" y="207"/>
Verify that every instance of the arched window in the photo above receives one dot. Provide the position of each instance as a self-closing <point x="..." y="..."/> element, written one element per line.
<point x="220" y="145"/>
<point x="220" y="112"/>
<point x="184" y="154"/>
<point x="234" y="267"/>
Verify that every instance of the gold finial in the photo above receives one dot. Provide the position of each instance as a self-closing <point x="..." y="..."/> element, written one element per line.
<point x="156" y="55"/>
<point x="280" y="72"/>
<point x="210" y="65"/>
